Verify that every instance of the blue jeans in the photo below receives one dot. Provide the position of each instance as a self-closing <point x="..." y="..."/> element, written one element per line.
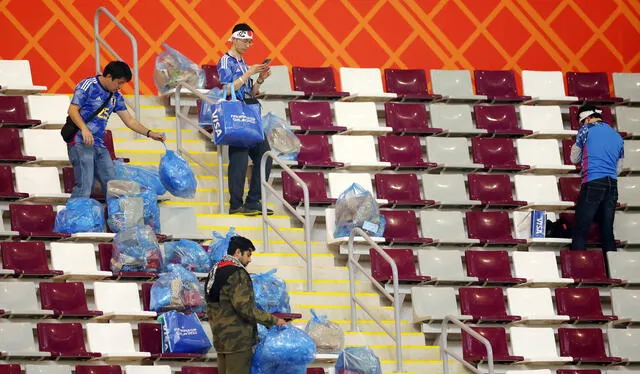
<point x="597" y="201"/>
<point x="90" y="162"/>
<point x="237" y="172"/>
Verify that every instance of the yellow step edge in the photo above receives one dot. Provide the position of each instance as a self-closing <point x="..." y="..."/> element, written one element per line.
<point x="283" y="242"/>
<point x="381" y="333"/>
<point x="155" y="163"/>
<point x="291" y="255"/>
<point x="393" y="346"/>
<point x="200" y="203"/>
<point x="121" y="140"/>
<point x="315" y="306"/>
<point x="362" y="321"/>
<point x="160" y="129"/>
<point x="251" y="228"/>
<point x="416" y="362"/>
<point x="321" y="281"/>
<point x="148" y="106"/>
<point x="213" y="215"/>
<point x="330" y="293"/>
<point x="157" y="152"/>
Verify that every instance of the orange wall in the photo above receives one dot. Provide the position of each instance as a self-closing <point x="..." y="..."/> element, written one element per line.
<point x="583" y="35"/>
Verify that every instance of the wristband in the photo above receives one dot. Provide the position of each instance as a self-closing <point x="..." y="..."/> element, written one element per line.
<point x="148" y="131"/>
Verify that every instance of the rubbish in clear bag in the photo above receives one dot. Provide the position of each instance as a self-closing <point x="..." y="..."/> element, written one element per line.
<point x="176" y="175"/>
<point x="150" y="211"/>
<point x="136" y="249"/>
<point x="177" y="289"/>
<point x="328" y="336"/>
<point x="358" y="360"/>
<point x="219" y="245"/>
<point x="285" y="349"/>
<point x="356" y="207"/>
<point x="146" y="177"/>
<point x="187" y="253"/>
<point x="281" y="139"/>
<point x="205" y="109"/>
<point x="270" y="292"/>
<point x="183" y="333"/>
<point x="80" y="214"/>
<point x="125" y="206"/>
<point x="172" y="68"/>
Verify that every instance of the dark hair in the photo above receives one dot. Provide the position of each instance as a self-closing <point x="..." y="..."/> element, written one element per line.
<point x="241" y="27"/>
<point x="117" y="70"/>
<point x="239" y="242"/>
<point x="589" y="108"/>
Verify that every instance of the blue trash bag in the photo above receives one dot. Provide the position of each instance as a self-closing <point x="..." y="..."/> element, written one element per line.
<point x="183" y="333"/>
<point x="177" y="289"/>
<point x="283" y="142"/>
<point x="125" y="206"/>
<point x="146" y="177"/>
<point x="176" y="175"/>
<point x="270" y="292"/>
<point x="219" y="245"/>
<point x="150" y="211"/>
<point x="285" y="349"/>
<point x="360" y="360"/>
<point x="81" y="214"/>
<point x="172" y="68"/>
<point x="205" y="109"/>
<point x="327" y="335"/>
<point x="356" y="207"/>
<point x="136" y="249"/>
<point x="187" y="253"/>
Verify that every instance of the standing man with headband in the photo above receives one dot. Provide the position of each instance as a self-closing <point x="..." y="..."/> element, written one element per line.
<point x="232" y="69"/>
<point x="599" y="149"/>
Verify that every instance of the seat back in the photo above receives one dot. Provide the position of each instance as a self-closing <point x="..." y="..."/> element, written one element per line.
<point x="12" y="109"/>
<point x="482" y="301"/>
<point x="18" y="296"/>
<point x="541" y="118"/>
<point x="452" y="117"/>
<point x="361" y="80"/>
<point x="403" y="150"/>
<point x="117" y="297"/>
<point x="490" y="187"/>
<point x="536" y="152"/>
<point x="98" y="369"/>
<point x="433" y="303"/>
<point x="108" y="143"/>
<point x="627" y="118"/>
<point x="10" y="143"/>
<point x="606" y="114"/>
<point x="438" y="263"/>
<point x="45" y="144"/>
<point x="110" y="337"/>
<point x="577" y="302"/>
<point x="32" y="218"/>
<point x="537" y="342"/>
<point x="6" y="180"/>
<point x="626" y="227"/>
<point x="519" y="301"/>
<point x="314" y="148"/>
<point x="361" y="115"/>
<point x="536" y="188"/>
<point x="495" y="117"/>
<point x="593" y="235"/>
<point x="448" y="150"/>
<point x="444" y="187"/>
<point x="397" y="187"/>
<point x="178" y="220"/>
<point x="474" y="350"/>
<point x="354" y="148"/>
<point x="582" y="264"/>
<point x="400" y="224"/>
<point x="47" y="369"/>
<point x="624" y="265"/>
<point x="208" y="369"/>
<point x="497" y="152"/>
<point x="310" y="114"/>
<point x="629" y="190"/>
<point x="211" y="77"/>
<point x="632" y="154"/>
<point x="543" y="84"/>
<point x="453" y="83"/>
<point x="150" y="337"/>
<point x="292" y="192"/>
<point x="314" y="79"/>
<point x="406" y="81"/>
<point x="625" y="303"/>
<point x="277" y="108"/>
<point x="570" y="188"/>
<point x="73" y="257"/>
<point x="339" y="182"/>
<point x="381" y="269"/>
<point x="10" y="369"/>
<point x="38" y="180"/>
<point x="535" y="265"/>
<point x="487" y="264"/>
<point x="279" y="80"/>
<point x="15" y="73"/>
<point x="403" y="117"/>
<point x="145" y="290"/>
<point x="495" y="83"/>
<point x="24" y="256"/>
<point x="624" y="343"/>
<point x="51" y="109"/>
<point x="64" y="338"/>
<point x="442" y="225"/>
<point x="627" y="85"/>
<point x="581" y="342"/>
<point x="64" y="297"/>
<point x="17" y="337"/>
<point x="488" y="225"/>
<point x="590" y="85"/>
<point x="146" y="369"/>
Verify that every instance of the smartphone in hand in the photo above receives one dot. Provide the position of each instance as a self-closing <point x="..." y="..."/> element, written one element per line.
<point x="266" y="61"/>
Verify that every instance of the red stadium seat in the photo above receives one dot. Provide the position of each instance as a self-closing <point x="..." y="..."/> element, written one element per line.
<point x="584" y="345"/>
<point x="490" y="266"/>
<point x="34" y="221"/>
<point x="10" y="369"/>
<point x="315" y="152"/>
<point x="405" y="263"/>
<point x="316" y="83"/>
<point x="498" y="120"/>
<point x="11" y="146"/>
<point x="63" y="340"/>
<point x="211" y="78"/>
<point x="69" y="180"/>
<point x="13" y="113"/>
<point x="585" y="267"/>
<point x="473" y="351"/>
<point x="408" y="84"/>
<point x="402" y="152"/>
<point x="108" y="142"/>
<point x="492" y="190"/>
<point x="495" y="153"/>
<point x="313" y="116"/>
<point x="316" y="185"/>
<point x="26" y="259"/>
<point x="65" y="299"/>
<point x="484" y="304"/>
<point x="498" y="86"/>
<point x="606" y="114"/>
<point x="570" y="188"/>
<point x="402" y="227"/>
<point x="400" y="190"/>
<point x="409" y="119"/>
<point x="491" y="228"/>
<point x="581" y="304"/>
<point x="150" y="340"/>
<point x="200" y="370"/>
<point x="7" y="191"/>
<point x="591" y="87"/>
<point x="98" y="369"/>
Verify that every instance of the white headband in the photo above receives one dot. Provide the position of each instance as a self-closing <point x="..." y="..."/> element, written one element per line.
<point x="242" y="34"/>
<point x="583" y="115"/>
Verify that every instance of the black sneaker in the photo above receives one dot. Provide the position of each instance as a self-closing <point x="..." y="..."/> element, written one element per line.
<point x="236" y="210"/>
<point x="255" y="211"/>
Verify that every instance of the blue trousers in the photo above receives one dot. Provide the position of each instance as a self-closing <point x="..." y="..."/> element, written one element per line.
<point x="90" y="163"/>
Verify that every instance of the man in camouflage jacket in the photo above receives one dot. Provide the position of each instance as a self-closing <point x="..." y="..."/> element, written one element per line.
<point x="232" y="310"/>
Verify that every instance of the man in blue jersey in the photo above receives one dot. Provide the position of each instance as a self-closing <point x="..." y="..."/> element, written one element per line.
<point x="87" y="152"/>
<point x="232" y="69"/>
<point x="599" y="149"/>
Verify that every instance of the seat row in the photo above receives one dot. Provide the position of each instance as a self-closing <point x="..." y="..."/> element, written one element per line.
<point x="114" y="369"/>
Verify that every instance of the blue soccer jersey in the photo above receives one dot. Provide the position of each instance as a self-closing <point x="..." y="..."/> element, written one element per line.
<point x="230" y="69"/>
<point x="602" y="147"/>
<point x="89" y="95"/>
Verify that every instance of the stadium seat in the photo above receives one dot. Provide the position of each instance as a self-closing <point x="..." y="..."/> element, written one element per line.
<point x="316" y="185"/>
<point x="566" y="153"/>
<point x="68" y="181"/>
<point x="443" y="266"/>
<point x="11" y="146"/>
<point x="498" y="120"/>
<point x="180" y="222"/>
<point x="10" y="369"/>
<point x="402" y="152"/>
<point x="624" y="265"/>
<point x="313" y="117"/>
<point x="63" y="340"/>
<point x="51" y="110"/>
<point x="491" y="228"/>
<point x="545" y="87"/>
<point x="540" y="192"/>
<point x="119" y="300"/>
<point x="339" y="182"/>
<point x="496" y="154"/>
<point x="624" y="343"/>
<point x="498" y="85"/>
<point x="445" y="227"/>
<point x="5" y="232"/>
<point x="625" y="303"/>
<point x="98" y="369"/>
<point x="364" y="84"/>
<point x="450" y="153"/>
<point x="402" y="228"/>
<point x="7" y="191"/>
<point x="628" y="120"/>
<point x="542" y="155"/>
<point x="584" y="346"/>
<point x="315" y="152"/>
<point x="48" y="369"/>
<point x="202" y="369"/>
<point x="316" y="83"/>
<point x="484" y="304"/>
<point x="15" y="78"/>
<point x="626" y="228"/>
<point x="519" y="301"/>
<point x="330" y="219"/>
<point x="150" y="341"/>
<point x="17" y="341"/>
<point x="357" y="152"/>
<point x="593" y="235"/>
<point x="544" y="122"/>
<point x="26" y="259"/>
<point x="490" y="266"/>
<point x="46" y="145"/>
<point x="42" y="184"/>
<point x="581" y="304"/>
<point x="411" y="119"/>
<point x="475" y="352"/>
<point x="408" y="84"/>
<point x="278" y="86"/>
<point x="13" y="113"/>
<point x="277" y="108"/>
<point x="19" y="300"/>
<point x="398" y="190"/>
<point x="434" y="304"/>
<point x="65" y="299"/>
<point x="405" y="263"/>
<point x="591" y="87"/>
<point x="627" y="86"/>
<point x="145" y="295"/>
<point x="631" y="155"/>
<point x="570" y="188"/>
<point x="454" y="86"/>
<point x="447" y="190"/>
<point x="105" y="251"/>
<point x="76" y="260"/>
<point x="142" y="369"/>
<point x="113" y="341"/>
<point x="538" y="268"/>
<point x="587" y="371"/>
<point x="493" y="190"/>
<point x="454" y="119"/>
<point x="537" y="345"/>
<point x="585" y="267"/>
<point x="606" y="114"/>
<point x="211" y="77"/>
<point x="359" y="118"/>
<point x="34" y="221"/>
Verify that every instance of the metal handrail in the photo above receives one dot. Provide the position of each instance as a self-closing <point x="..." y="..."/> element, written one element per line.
<point x="445" y="352"/>
<point x="352" y="265"/>
<point x="183" y="117"/>
<point x="98" y="40"/>
<point x="306" y="219"/>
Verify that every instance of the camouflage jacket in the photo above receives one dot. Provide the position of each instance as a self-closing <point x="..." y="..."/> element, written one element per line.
<point x="232" y="310"/>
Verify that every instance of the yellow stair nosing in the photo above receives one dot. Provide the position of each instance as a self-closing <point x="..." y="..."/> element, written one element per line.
<point x="214" y="215"/>
<point x="288" y="254"/>
<point x="362" y="321"/>
<point x="332" y="293"/>
<point x="315" y="306"/>
<point x="404" y="333"/>
<point x="250" y="228"/>
<point x="156" y="151"/>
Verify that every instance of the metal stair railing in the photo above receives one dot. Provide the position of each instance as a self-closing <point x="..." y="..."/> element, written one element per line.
<point x="445" y="352"/>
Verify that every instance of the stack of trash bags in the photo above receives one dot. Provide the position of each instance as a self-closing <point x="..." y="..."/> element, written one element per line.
<point x="356" y="207"/>
<point x="136" y="249"/>
<point x="358" y="360"/>
<point x="219" y="245"/>
<point x="270" y="292"/>
<point x="130" y="205"/>
<point x="177" y="289"/>
<point x="187" y="253"/>
<point x="145" y="177"/>
<point x="283" y="350"/>
<point x="80" y="214"/>
<point x="327" y="335"/>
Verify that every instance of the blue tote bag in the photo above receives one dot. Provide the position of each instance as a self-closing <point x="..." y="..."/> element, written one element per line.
<point x="236" y="123"/>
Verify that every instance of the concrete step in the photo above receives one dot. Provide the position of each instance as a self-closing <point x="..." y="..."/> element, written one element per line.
<point x="422" y="367"/>
<point x="333" y="298"/>
<point x="212" y="207"/>
<point x="255" y="233"/>
<point x="238" y="220"/>
<point x="368" y="325"/>
<point x="191" y="145"/>
<point x="292" y="259"/>
<point x="368" y="338"/>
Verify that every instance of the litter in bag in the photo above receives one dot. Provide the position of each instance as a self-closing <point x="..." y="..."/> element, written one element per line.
<point x="150" y="211"/>
<point x="205" y="109"/>
<point x="270" y="292"/>
<point x="177" y="289"/>
<point x="356" y="207"/>
<point x="219" y="245"/>
<point x="125" y="206"/>
<point x="183" y="333"/>
<point x="358" y="360"/>
<point x="136" y="249"/>
<point x="81" y="214"/>
<point x="146" y="177"/>
<point x="235" y="122"/>
<point x="172" y="68"/>
<point x="187" y="253"/>
<point x="176" y="175"/>
<point x="328" y="336"/>
<point x="285" y="349"/>
<point x="281" y="139"/>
